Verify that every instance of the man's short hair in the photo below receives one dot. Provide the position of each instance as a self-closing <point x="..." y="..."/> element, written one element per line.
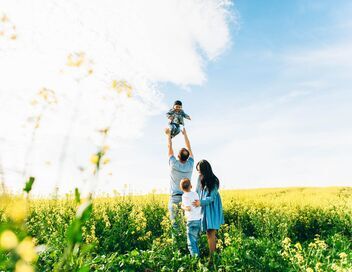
<point x="185" y="184"/>
<point x="183" y="154"/>
<point x="178" y="102"/>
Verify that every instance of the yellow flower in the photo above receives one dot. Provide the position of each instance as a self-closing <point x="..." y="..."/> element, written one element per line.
<point x="299" y="257"/>
<point x="298" y="246"/>
<point x="94" y="159"/>
<point x="4" y="18"/>
<point x="286" y="241"/>
<point x="335" y="267"/>
<point x="17" y="210"/>
<point x="343" y="255"/>
<point x="26" y="250"/>
<point x="21" y="266"/>
<point x="8" y="240"/>
<point x="105" y="148"/>
<point x="48" y="95"/>
<point x="285" y="254"/>
<point x="318" y="266"/>
<point x="309" y="269"/>
<point x="322" y="244"/>
<point x="122" y="86"/>
<point x="169" y="241"/>
<point x="106" y="161"/>
<point x="76" y="59"/>
<point x="312" y="245"/>
<point x="114" y="84"/>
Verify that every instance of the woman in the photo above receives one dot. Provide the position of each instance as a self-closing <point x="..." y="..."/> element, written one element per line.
<point x="210" y="201"/>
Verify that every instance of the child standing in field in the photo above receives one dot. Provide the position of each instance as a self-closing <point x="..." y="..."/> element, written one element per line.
<point x="175" y="116"/>
<point x="193" y="216"/>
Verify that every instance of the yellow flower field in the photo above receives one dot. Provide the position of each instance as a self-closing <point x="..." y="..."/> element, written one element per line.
<point x="282" y="229"/>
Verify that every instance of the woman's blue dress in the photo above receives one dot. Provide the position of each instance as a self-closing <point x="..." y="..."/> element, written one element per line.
<point x="212" y="212"/>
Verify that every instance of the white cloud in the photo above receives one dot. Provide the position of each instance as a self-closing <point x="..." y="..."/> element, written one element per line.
<point x="142" y="42"/>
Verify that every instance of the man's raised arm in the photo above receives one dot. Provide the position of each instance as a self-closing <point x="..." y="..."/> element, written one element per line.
<point x="169" y="142"/>
<point x="187" y="142"/>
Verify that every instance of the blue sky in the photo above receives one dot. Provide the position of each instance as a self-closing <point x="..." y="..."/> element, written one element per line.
<point x="268" y="89"/>
<point x="258" y="91"/>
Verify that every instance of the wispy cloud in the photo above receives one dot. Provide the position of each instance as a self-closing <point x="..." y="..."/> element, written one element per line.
<point x="331" y="56"/>
<point x="141" y="42"/>
<point x="298" y="134"/>
<point x="297" y="141"/>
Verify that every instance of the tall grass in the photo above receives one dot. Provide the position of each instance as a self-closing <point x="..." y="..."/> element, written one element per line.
<point x="291" y="229"/>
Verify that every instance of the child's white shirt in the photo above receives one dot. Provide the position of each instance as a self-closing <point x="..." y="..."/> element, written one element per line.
<point x="195" y="212"/>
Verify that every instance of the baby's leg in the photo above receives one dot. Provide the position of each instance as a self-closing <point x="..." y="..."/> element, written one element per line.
<point x="176" y="130"/>
<point x="170" y="129"/>
<point x="167" y="131"/>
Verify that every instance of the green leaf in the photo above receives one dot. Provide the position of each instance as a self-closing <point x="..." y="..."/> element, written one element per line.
<point x="28" y="187"/>
<point x="84" y="269"/>
<point x="77" y="196"/>
<point x="84" y="211"/>
<point x="74" y="232"/>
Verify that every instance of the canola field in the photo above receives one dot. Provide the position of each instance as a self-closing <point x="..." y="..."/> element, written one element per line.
<point x="284" y="229"/>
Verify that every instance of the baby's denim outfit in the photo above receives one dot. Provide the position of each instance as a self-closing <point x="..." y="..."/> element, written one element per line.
<point x="177" y="121"/>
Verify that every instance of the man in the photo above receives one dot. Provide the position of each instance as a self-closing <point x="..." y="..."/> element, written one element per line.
<point x="179" y="169"/>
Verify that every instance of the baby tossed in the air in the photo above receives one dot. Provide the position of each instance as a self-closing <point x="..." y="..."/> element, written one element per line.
<point x="176" y="116"/>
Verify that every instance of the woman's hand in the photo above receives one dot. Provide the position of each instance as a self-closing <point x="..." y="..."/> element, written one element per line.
<point x="196" y="203"/>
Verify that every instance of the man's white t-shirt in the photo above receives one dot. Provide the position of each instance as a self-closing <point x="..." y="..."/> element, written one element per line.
<point x="195" y="212"/>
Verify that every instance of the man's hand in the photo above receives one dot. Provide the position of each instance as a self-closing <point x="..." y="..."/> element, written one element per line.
<point x="196" y="203"/>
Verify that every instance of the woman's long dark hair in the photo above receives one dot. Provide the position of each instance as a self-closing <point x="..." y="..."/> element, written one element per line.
<point x="208" y="179"/>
